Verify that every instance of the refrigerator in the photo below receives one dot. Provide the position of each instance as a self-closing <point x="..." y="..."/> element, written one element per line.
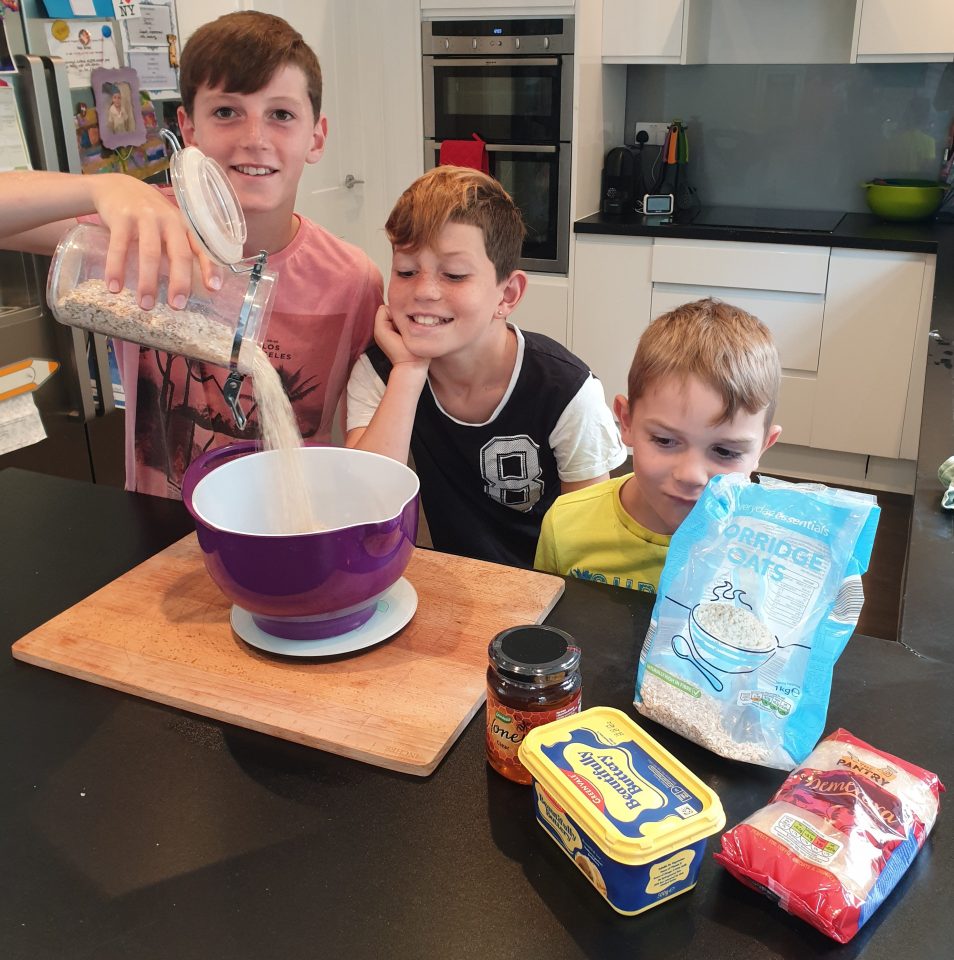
<point x="80" y="404"/>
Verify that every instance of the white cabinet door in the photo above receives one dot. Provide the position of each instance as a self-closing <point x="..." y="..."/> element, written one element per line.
<point x="871" y="318"/>
<point x="647" y="31"/>
<point x="545" y="307"/>
<point x="905" y="30"/>
<point x="612" y="298"/>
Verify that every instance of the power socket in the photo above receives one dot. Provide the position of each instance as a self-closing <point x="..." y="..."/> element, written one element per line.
<point x="656" y="131"/>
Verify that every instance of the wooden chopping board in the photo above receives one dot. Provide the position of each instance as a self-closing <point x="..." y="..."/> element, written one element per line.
<point x="161" y="631"/>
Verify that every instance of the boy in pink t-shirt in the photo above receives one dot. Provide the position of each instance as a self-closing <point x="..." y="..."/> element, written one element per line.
<point x="251" y="100"/>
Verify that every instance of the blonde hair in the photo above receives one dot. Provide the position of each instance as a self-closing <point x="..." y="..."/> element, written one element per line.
<point x="449" y="194"/>
<point x="729" y="350"/>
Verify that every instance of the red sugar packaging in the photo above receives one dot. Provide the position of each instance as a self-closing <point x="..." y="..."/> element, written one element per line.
<point x="837" y="836"/>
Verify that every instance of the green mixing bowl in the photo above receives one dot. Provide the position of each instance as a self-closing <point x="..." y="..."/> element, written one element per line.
<point x="904" y="199"/>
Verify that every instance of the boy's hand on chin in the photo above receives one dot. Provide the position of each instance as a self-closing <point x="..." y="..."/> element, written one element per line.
<point x="388" y="338"/>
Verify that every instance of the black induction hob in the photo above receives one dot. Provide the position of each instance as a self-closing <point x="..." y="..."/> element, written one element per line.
<point x="762" y="218"/>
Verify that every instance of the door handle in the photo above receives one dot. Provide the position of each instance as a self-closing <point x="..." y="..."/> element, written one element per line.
<point x="351" y="181"/>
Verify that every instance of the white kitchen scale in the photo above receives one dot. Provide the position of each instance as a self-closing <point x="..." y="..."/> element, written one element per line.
<point x="394" y="610"/>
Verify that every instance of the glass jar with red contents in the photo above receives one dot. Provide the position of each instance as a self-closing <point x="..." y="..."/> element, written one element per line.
<point x="533" y="678"/>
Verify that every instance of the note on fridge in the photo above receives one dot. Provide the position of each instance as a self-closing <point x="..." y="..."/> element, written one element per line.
<point x="13" y="149"/>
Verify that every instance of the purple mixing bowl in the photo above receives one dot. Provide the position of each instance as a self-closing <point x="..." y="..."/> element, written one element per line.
<point x="304" y="586"/>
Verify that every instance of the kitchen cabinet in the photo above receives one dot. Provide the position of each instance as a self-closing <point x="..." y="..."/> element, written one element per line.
<point x="903" y="30"/>
<point x="850" y="326"/>
<point x="727" y="31"/>
<point x="545" y="306"/>
<point x="877" y="310"/>
<point x="783" y="285"/>
<point x="644" y="31"/>
<point x="612" y="300"/>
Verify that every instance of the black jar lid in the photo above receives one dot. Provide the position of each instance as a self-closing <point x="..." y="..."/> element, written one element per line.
<point x="534" y="654"/>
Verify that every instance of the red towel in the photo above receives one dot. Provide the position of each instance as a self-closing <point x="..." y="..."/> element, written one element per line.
<point x="466" y="153"/>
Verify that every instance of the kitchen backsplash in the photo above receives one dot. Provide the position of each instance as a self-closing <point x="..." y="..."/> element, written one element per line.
<point x="799" y="136"/>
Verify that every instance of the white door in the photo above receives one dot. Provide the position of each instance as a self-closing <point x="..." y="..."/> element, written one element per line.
<point x="370" y="61"/>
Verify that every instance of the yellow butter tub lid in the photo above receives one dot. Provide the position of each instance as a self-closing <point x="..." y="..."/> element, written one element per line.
<point x="633" y="797"/>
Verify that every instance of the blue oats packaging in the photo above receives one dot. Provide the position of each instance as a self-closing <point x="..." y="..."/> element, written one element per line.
<point x="759" y="594"/>
<point x="632" y="818"/>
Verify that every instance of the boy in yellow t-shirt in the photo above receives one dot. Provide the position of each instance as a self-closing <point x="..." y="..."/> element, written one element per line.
<point x="702" y="393"/>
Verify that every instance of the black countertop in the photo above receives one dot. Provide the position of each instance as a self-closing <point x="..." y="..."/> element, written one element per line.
<point x="860" y="230"/>
<point x="136" y="830"/>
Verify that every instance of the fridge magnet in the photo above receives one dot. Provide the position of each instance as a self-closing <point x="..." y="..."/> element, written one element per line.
<point x="119" y="108"/>
<point x="172" y="40"/>
<point x="126" y="9"/>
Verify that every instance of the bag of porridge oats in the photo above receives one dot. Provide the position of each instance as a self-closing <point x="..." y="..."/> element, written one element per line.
<point x="759" y="594"/>
<point x="837" y="836"/>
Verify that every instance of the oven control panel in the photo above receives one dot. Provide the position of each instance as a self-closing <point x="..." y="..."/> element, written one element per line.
<point x="526" y="37"/>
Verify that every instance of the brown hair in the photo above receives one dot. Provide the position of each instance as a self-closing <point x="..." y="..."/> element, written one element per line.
<point x="449" y="194"/>
<point x="240" y="52"/>
<point x="726" y="348"/>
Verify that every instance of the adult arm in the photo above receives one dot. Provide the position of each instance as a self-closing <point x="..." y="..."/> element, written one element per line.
<point x="38" y="207"/>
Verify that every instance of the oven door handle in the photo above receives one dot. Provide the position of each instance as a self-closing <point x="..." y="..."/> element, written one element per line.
<point x="509" y="147"/>
<point x="520" y="148"/>
<point x="466" y="61"/>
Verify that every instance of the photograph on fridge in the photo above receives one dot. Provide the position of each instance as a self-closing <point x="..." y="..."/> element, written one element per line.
<point x="118" y="108"/>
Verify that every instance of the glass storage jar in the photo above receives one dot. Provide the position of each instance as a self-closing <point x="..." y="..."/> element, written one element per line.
<point x="221" y="327"/>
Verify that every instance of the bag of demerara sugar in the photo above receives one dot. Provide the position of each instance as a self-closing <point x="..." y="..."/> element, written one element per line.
<point x="759" y="594"/>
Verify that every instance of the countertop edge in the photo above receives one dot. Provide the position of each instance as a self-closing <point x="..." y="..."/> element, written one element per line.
<point x="855" y="230"/>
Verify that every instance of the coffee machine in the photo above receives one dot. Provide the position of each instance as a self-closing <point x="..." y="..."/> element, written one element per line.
<point x="621" y="181"/>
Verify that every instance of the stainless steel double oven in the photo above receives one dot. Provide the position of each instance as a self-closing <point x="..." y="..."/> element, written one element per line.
<point x="509" y="81"/>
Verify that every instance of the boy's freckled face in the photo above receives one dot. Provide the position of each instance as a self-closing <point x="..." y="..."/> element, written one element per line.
<point x="263" y="139"/>
<point x="678" y="446"/>
<point x="444" y="298"/>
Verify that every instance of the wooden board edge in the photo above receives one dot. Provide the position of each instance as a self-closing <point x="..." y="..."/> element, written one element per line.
<point x="424" y="768"/>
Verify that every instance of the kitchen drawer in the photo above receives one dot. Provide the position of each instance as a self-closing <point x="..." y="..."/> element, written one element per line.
<point x="753" y="266"/>
<point x="795" y="319"/>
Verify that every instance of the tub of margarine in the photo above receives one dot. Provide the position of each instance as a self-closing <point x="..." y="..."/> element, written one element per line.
<point x="630" y="816"/>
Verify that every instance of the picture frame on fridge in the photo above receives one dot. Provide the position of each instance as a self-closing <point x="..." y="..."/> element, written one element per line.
<point x="118" y="108"/>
